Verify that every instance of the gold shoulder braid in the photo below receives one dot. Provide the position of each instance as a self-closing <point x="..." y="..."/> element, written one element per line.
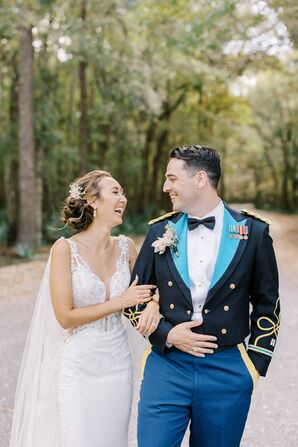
<point x="256" y="216"/>
<point x="165" y="216"/>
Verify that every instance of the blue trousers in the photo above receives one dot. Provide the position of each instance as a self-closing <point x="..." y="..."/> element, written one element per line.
<point x="212" y="392"/>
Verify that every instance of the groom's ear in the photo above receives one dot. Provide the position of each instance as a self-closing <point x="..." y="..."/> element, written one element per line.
<point x="201" y="178"/>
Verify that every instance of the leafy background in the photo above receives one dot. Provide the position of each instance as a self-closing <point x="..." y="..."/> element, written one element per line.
<point x="116" y="84"/>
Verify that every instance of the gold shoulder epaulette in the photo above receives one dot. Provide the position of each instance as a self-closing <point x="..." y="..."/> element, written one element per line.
<point x="157" y="219"/>
<point x="256" y="216"/>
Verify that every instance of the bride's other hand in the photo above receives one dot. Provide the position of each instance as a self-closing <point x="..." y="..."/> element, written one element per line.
<point x="149" y="318"/>
<point x="137" y="294"/>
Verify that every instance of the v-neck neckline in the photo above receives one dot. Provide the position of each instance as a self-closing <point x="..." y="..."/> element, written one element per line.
<point x="90" y="270"/>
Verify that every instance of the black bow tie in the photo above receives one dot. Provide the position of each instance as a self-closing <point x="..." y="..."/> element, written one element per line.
<point x="193" y="223"/>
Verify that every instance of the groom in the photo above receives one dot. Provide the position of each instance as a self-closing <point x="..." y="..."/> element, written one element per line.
<point x="209" y="263"/>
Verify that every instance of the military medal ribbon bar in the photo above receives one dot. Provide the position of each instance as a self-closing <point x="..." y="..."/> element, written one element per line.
<point x="238" y="232"/>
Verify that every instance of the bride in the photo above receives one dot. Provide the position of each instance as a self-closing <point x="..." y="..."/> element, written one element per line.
<point x="75" y="382"/>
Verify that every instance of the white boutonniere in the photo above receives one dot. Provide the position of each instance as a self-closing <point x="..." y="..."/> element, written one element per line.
<point x="168" y="239"/>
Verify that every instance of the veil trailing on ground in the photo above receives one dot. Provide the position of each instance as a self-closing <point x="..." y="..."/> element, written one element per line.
<point x="35" y="419"/>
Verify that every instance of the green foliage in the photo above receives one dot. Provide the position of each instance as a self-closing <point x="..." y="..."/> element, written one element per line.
<point x="158" y="74"/>
<point x="137" y="225"/>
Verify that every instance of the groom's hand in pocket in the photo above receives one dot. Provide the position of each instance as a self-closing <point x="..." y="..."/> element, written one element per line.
<point x="182" y="337"/>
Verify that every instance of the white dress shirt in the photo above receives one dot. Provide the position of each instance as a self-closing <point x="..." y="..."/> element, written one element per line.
<point x="202" y="250"/>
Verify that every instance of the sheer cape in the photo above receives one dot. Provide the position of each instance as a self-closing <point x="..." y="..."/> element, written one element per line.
<point x="35" y="419"/>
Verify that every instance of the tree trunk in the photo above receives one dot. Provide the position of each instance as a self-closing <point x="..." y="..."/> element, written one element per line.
<point x="284" y="138"/>
<point x="83" y="104"/>
<point x="39" y="195"/>
<point x="71" y="112"/>
<point x="274" y="174"/>
<point x="158" y="165"/>
<point x="258" y="200"/>
<point x="10" y="170"/>
<point x="222" y="184"/>
<point x="292" y="171"/>
<point x="294" y="177"/>
<point x="27" y="228"/>
<point x="150" y="137"/>
<point x="11" y="159"/>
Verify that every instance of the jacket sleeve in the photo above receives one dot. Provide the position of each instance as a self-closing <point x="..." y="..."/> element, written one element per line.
<point x="145" y="269"/>
<point x="265" y="316"/>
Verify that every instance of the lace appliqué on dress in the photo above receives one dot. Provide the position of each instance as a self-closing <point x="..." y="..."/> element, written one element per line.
<point x="88" y="289"/>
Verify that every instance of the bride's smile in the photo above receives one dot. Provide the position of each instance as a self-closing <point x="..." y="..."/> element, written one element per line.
<point x="111" y="204"/>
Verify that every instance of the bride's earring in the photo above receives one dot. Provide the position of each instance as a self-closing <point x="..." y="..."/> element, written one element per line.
<point x="94" y="212"/>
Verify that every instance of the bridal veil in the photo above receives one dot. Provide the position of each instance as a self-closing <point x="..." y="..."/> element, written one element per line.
<point x="35" y="419"/>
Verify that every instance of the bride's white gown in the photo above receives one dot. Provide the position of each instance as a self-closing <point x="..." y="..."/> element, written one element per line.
<point x="94" y="370"/>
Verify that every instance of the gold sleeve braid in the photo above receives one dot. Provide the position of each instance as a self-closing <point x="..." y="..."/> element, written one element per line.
<point x="267" y="330"/>
<point x="133" y="314"/>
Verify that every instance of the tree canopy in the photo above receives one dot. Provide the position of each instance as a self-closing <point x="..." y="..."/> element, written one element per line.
<point x="116" y="84"/>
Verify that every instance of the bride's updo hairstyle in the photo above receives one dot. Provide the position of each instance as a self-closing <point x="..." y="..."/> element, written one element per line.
<point x="76" y="212"/>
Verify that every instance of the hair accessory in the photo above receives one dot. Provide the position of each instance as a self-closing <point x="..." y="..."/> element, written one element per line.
<point x="75" y="191"/>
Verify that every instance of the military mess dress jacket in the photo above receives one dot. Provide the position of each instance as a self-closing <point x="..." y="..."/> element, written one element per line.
<point x="245" y="273"/>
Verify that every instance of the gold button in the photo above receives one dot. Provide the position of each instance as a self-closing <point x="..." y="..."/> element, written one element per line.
<point x="172" y="306"/>
<point x="224" y="331"/>
<point x="170" y="283"/>
<point x="232" y="286"/>
<point x="188" y="312"/>
<point x="206" y="311"/>
<point x="226" y="308"/>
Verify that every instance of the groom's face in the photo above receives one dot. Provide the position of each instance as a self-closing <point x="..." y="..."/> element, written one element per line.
<point x="181" y="185"/>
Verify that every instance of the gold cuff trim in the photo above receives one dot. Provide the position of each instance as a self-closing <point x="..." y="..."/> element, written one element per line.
<point x="132" y="315"/>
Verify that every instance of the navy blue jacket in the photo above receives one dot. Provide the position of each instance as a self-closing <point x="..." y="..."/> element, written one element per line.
<point x="245" y="273"/>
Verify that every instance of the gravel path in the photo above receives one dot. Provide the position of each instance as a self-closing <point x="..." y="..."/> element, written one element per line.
<point x="273" y="418"/>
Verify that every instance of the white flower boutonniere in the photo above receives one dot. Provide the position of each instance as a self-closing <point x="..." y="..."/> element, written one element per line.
<point x="168" y="239"/>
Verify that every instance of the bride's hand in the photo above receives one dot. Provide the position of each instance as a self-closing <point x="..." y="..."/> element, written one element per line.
<point x="149" y="318"/>
<point x="136" y="294"/>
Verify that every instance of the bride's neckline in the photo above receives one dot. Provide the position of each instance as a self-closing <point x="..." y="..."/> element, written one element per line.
<point x="84" y="263"/>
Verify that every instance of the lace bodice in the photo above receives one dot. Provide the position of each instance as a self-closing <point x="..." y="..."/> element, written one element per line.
<point x="88" y="289"/>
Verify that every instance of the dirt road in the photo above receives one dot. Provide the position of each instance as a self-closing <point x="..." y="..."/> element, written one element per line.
<point x="273" y="418"/>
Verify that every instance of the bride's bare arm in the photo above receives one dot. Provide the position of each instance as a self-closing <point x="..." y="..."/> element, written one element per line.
<point x="61" y="293"/>
<point x="150" y="316"/>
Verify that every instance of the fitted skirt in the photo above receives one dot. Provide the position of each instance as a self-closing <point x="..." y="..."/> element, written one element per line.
<point x="94" y="388"/>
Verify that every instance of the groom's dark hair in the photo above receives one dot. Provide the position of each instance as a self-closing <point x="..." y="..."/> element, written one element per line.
<point x="200" y="158"/>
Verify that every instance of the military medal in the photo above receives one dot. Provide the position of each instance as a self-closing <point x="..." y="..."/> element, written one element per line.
<point x="245" y="232"/>
<point x="238" y="231"/>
